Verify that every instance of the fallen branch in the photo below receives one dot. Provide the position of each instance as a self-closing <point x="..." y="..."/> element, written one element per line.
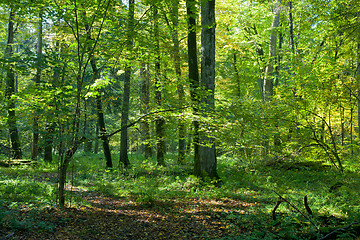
<point x="337" y="230"/>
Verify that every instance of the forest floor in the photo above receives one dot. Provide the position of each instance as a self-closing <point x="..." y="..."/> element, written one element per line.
<point x="112" y="218"/>
<point x="152" y="202"/>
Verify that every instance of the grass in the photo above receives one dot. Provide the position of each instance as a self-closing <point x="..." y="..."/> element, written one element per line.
<point x="333" y="196"/>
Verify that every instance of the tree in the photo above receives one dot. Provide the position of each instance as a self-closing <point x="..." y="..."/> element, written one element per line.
<point x="16" y="152"/>
<point x="193" y="77"/>
<point x="160" y="121"/>
<point x="35" y="143"/>
<point x="126" y="97"/>
<point x="207" y="154"/>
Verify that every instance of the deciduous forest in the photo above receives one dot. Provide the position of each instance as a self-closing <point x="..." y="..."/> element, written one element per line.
<point x="179" y="119"/>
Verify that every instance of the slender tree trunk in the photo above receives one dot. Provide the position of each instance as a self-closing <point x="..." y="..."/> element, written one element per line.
<point x="35" y="142"/>
<point x="269" y="71"/>
<point x="159" y="122"/>
<point x="292" y="41"/>
<point x="180" y="87"/>
<point x="96" y="144"/>
<point x="207" y="154"/>
<point x="145" y="101"/>
<point x="126" y="96"/>
<point x="193" y="77"/>
<point x="237" y="76"/>
<point x="99" y="108"/>
<point x="10" y="91"/>
<point x="358" y="81"/>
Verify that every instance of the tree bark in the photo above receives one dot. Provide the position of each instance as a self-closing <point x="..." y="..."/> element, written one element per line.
<point x="193" y="77"/>
<point x="145" y="101"/>
<point x="269" y="71"/>
<point x="180" y="87"/>
<point x="126" y="96"/>
<point x="159" y="122"/>
<point x="207" y="155"/>
<point x="35" y="142"/>
<point x="10" y="91"/>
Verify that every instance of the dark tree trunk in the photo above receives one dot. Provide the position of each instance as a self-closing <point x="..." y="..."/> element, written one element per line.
<point x="126" y="97"/>
<point x="207" y="155"/>
<point x="35" y="143"/>
<point x="193" y="77"/>
<point x="10" y="91"/>
<point x="159" y="122"/>
<point x="96" y="144"/>
<point x="99" y="108"/>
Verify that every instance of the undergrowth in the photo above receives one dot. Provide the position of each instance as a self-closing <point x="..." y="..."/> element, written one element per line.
<point x="333" y="196"/>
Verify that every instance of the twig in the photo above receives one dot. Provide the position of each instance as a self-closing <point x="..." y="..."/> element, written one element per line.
<point x="275" y="207"/>
<point x="339" y="229"/>
<point x="307" y="206"/>
<point x="296" y="209"/>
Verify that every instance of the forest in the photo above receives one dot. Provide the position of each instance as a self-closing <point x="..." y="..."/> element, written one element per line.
<point x="179" y="119"/>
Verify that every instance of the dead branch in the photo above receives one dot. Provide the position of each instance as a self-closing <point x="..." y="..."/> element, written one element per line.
<point x="337" y="230"/>
<point x="296" y="209"/>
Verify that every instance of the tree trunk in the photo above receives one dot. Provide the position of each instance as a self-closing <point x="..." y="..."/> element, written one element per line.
<point x="145" y="101"/>
<point x="10" y="91"/>
<point x="99" y="108"/>
<point x="96" y="144"/>
<point x="159" y="122"/>
<point x="193" y="77"/>
<point x="207" y="154"/>
<point x="180" y="87"/>
<point x="358" y="81"/>
<point x="48" y="139"/>
<point x="35" y="142"/>
<point x="269" y="71"/>
<point x="126" y="97"/>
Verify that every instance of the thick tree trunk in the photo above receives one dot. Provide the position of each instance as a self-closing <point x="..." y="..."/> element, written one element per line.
<point x="126" y="96"/>
<point x="160" y="121"/>
<point x="35" y="142"/>
<point x="10" y="91"/>
<point x="145" y="101"/>
<point x="207" y="154"/>
<point x="193" y="77"/>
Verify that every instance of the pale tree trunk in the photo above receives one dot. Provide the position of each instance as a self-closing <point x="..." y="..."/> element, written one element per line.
<point x="269" y="71"/>
<point x="10" y="91"/>
<point x="193" y="77"/>
<point x="207" y="154"/>
<point x="145" y="101"/>
<point x="35" y="142"/>
<point x="126" y="96"/>
<point x="159" y="122"/>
